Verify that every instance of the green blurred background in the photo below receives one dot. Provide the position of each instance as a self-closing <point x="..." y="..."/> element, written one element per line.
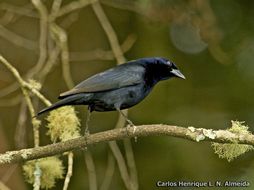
<point x="212" y="43"/>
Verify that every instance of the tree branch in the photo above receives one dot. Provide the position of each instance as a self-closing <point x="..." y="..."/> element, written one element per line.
<point x="190" y="133"/>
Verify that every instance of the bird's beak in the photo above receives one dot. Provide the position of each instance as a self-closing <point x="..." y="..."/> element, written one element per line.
<point x="177" y="73"/>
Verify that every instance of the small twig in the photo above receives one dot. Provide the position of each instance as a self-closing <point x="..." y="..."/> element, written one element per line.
<point x="27" y="98"/>
<point x="119" y="156"/>
<point x="55" y="7"/>
<point x="131" y="163"/>
<point x="5" y="76"/>
<point x="8" y="173"/>
<point x="7" y="18"/>
<point x="20" y="130"/>
<point x="17" y="39"/>
<point x="114" y="43"/>
<point x="133" y="6"/>
<point x="70" y="19"/>
<point x="37" y="93"/>
<point x="15" y="85"/>
<point x="11" y="101"/>
<point x="69" y="171"/>
<point x="13" y="13"/>
<point x="91" y="170"/>
<point x="12" y="69"/>
<point x="100" y="54"/>
<point x="42" y="10"/>
<point x="9" y="89"/>
<point x="23" y="83"/>
<point x="61" y="39"/>
<point x="51" y="62"/>
<point x="35" y="122"/>
<point x="109" y="173"/>
<point x="3" y="186"/>
<point x="73" y="6"/>
<point x="121" y="164"/>
<point x="24" y="11"/>
<point x="23" y="86"/>
<point x="43" y="45"/>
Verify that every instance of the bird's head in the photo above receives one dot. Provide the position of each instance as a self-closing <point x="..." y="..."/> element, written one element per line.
<point x="162" y="69"/>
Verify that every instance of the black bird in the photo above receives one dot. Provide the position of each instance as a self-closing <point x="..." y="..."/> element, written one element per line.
<point x="120" y="87"/>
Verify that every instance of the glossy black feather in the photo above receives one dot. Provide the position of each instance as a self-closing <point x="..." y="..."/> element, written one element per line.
<point x="120" y="87"/>
<point x="117" y="77"/>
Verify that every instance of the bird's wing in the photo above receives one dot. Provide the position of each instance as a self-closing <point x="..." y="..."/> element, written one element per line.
<point x="118" y="77"/>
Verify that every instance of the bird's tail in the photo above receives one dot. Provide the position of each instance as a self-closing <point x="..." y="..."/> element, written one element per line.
<point x="70" y="100"/>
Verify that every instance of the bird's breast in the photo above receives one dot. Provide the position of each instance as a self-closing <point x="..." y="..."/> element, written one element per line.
<point x="123" y="97"/>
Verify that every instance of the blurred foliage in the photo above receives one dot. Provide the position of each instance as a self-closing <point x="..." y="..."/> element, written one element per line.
<point x="212" y="42"/>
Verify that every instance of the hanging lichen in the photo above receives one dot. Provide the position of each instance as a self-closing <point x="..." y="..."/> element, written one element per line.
<point x="51" y="169"/>
<point x="63" y="124"/>
<point x="231" y="151"/>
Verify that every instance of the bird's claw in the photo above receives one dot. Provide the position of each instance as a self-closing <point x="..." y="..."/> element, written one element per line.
<point x="131" y="127"/>
<point x="130" y="122"/>
<point x="134" y="130"/>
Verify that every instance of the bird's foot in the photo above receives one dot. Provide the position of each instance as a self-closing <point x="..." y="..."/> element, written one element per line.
<point x="130" y="122"/>
<point x="131" y="127"/>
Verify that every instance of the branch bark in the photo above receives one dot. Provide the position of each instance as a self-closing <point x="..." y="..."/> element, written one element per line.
<point x="190" y="133"/>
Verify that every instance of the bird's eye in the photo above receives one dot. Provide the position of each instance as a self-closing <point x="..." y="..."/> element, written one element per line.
<point x="169" y="63"/>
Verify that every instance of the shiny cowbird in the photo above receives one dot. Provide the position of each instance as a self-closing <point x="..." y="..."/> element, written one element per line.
<point x="120" y="87"/>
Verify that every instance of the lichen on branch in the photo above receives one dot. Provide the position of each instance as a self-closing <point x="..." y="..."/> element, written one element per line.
<point x="221" y="136"/>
